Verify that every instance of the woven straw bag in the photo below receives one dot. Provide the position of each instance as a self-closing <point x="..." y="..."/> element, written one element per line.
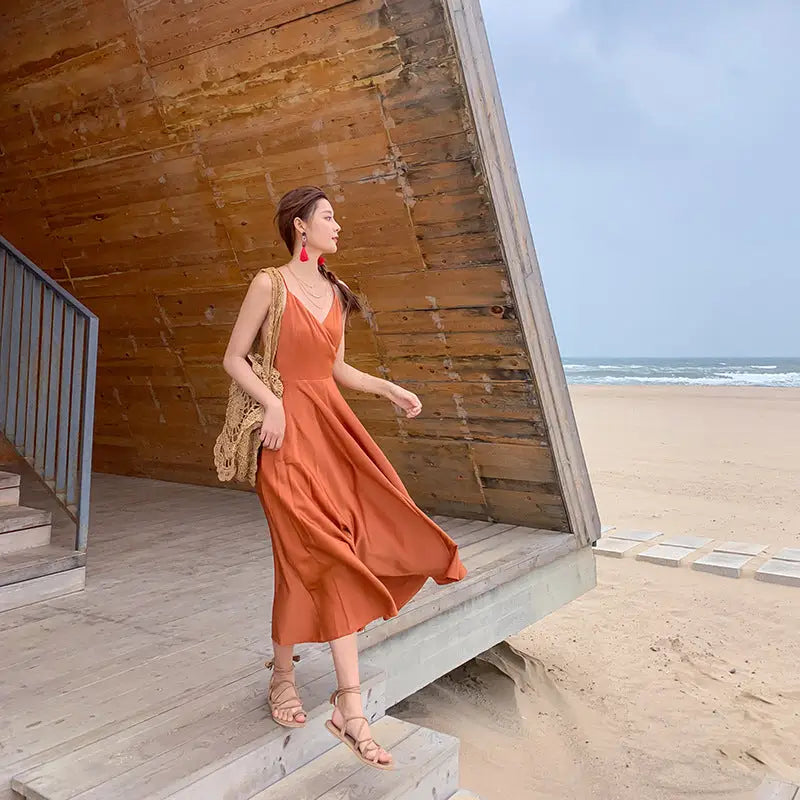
<point x="237" y="446"/>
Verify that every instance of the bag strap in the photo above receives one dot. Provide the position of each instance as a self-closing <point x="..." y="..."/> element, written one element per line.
<point x="275" y="314"/>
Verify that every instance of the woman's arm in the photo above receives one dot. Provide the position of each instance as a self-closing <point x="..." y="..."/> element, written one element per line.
<point x="253" y="312"/>
<point x="359" y="381"/>
<point x="353" y="378"/>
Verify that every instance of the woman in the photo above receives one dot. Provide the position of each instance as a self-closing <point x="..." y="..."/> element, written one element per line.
<point x="349" y="544"/>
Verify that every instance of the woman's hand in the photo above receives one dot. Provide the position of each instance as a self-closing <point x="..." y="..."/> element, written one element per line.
<point x="406" y="400"/>
<point x="273" y="427"/>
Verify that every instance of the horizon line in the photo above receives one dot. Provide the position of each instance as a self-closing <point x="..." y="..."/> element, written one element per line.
<point x="718" y="357"/>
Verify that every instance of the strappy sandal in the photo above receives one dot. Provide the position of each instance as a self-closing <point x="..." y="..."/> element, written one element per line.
<point x="353" y="743"/>
<point x="276" y="700"/>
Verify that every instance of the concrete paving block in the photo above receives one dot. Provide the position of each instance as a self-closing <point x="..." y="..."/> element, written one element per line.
<point x="741" y="548"/>
<point x="777" y="571"/>
<point x="616" y="548"/>
<point x="788" y="554"/>
<point x="690" y="542"/>
<point x="774" y="789"/>
<point x="636" y="536"/>
<point x="670" y="556"/>
<point x="728" y="564"/>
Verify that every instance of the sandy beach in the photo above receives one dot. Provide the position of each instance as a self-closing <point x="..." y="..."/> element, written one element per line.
<point x="661" y="683"/>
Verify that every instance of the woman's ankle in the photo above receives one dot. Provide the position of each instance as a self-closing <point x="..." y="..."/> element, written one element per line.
<point x="351" y="703"/>
<point x="283" y="662"/>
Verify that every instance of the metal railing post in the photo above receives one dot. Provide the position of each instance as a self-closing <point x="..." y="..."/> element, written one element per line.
<point x="48" y="373"/>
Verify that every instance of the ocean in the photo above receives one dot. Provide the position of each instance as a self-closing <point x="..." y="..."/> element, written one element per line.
<point x="685" y="371"/>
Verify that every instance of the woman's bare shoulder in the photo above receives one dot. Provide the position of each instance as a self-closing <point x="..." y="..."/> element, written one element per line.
<point x="262" y="279"/>
<point x="262" y="282"/>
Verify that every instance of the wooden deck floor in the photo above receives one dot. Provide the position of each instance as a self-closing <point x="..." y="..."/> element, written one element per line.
<point x="177" y="599"/>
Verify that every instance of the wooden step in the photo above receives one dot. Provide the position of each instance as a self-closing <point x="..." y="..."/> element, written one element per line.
<point x="223" y="744"/>
<point x="22" y="528"/>
<point x="34" y="562"/>
<point x="39" y="573"/>
<point x="9" y="488"/>
<point x="17" y="518"/>
<point x="426" y="766"/>
<point x="45" y="587"/>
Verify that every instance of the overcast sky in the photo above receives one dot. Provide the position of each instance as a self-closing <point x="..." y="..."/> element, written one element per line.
<point x="657" y="146"/>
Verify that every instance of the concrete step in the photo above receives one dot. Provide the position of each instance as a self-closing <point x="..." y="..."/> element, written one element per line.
<point x="426" y="766"/>
<point x="9" y="488"/>
<point x="22" y="528"/>
<point x="223" y="744"/>
<point x="464" y="794"/>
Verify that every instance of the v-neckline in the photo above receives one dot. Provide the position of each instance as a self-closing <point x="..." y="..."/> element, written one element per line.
<point x="322" y="322"/>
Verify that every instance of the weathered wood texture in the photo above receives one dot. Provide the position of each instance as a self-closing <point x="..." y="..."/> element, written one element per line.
<point x="155" y="672"/>
<point x="144" y="146"/>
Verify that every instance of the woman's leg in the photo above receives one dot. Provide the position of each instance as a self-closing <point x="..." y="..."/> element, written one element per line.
<point x="282" y="655"/>
<point x="345" y="661"/>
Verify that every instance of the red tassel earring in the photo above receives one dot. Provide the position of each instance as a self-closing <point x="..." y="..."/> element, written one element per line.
<point x="303" y="253"/>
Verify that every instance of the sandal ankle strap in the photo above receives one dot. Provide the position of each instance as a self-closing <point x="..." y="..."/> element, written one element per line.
<point x="271" y="665"/>
<point x="344" y="690"/>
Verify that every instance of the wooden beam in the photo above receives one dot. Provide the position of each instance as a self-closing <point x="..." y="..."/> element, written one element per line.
<point x="498" y="161"/>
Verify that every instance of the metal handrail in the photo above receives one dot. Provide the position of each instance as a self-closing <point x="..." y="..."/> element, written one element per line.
<point x="48" y="369"/>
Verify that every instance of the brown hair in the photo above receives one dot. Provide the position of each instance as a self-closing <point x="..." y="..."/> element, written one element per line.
<point x="301" y="202"/>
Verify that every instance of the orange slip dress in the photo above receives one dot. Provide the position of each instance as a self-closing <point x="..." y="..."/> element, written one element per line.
<point x="349" y="544"/>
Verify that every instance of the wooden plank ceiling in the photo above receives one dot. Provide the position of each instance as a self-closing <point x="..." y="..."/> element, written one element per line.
<point x="144" y="146"/>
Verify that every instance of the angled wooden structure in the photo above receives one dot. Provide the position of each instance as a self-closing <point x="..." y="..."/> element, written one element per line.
<point x="144" y="147"/>
<point x="143" y="153"/>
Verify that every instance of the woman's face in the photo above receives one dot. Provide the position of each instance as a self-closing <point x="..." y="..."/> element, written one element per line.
<point x="322" y="230"/>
